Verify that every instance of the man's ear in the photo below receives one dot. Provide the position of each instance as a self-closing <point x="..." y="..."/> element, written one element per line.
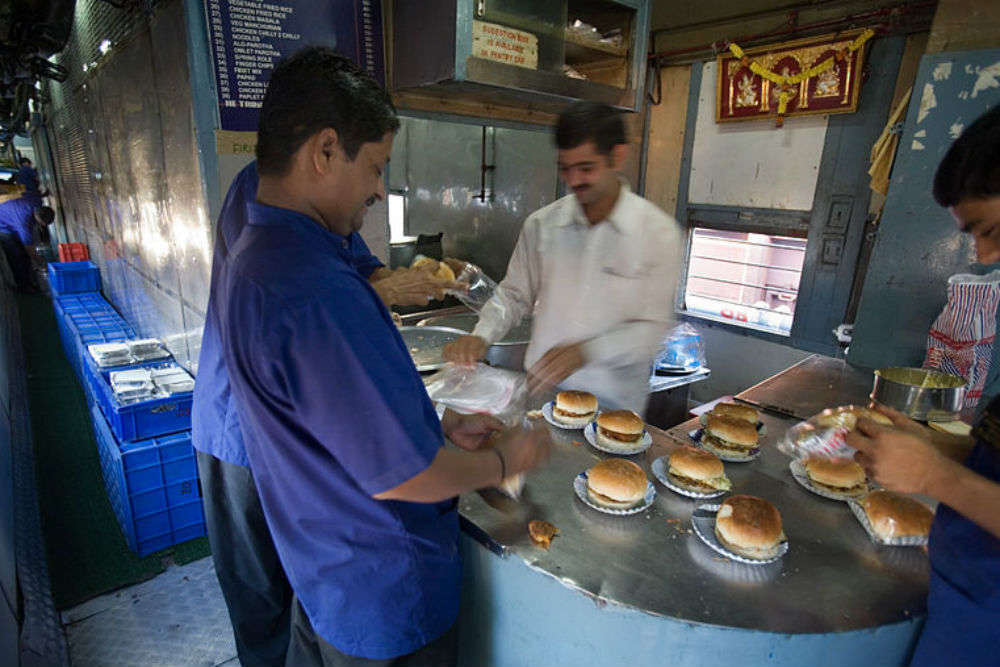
<point x="618" y="155"/>
<point x="324" y="150"/>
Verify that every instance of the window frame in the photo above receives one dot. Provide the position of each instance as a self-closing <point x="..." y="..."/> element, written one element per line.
<point x="739" y="219"/>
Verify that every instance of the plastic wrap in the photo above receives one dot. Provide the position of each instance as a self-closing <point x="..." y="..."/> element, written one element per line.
<point x="824" y="435"/>
<point x="485" y="390"/>
<point x="683" y="349"/>
<point x="477" y="287"/>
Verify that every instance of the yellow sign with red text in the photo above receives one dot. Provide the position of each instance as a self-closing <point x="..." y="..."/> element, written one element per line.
<point x="504" y="45"/>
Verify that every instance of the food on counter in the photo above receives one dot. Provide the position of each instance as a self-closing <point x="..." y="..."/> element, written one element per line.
<point x="839" y="475"/>
<point x="736" y="411"/>
<point x="619" y="429"/>
<point x="893" y="515"/>
<point x="439" y="270"/>
<point x="534" y="414"/>
<point x="727" y="436"/>
<point x="697" y="470"/>
<point x="750" y="527"/>
<point x="848" y="416"/>
<point x="542" y="532"/>
<point x="574" y="408"/>
<point x="616" y="484"/>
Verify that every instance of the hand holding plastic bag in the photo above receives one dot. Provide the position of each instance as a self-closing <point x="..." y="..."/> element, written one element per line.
<point x="477" y="287"/>
<point x="484" y="389"/>
<point x="824" y="435"/>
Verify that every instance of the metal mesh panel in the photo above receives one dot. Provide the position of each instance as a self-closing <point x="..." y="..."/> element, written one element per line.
<point x="122" y="132"/>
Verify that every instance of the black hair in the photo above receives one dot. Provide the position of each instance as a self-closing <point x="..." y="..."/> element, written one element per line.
<point x="45" y="215"/>
<point x="971" y="167"/>
<point x="313" y="89"/>
<point x="25" y="160"/>
<point x="590" y="121"/>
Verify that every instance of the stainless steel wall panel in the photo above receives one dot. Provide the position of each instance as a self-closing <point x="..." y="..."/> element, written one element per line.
<point x="441" y="173"/>
<point x="184" y="202"/>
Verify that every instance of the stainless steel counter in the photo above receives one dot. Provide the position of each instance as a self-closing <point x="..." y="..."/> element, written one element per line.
<point x="833" y="578"/>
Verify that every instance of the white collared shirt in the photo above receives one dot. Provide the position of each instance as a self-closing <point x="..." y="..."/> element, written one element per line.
<point x="609" y="284"/>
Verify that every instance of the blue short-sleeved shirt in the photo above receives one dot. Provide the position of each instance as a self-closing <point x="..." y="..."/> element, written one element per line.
<point x="28" y="177"/>
<point x="215" y="428"/>
<point x="963" y="602"/>
<point x="17" y="217"/>
<point x="333" y="411"/>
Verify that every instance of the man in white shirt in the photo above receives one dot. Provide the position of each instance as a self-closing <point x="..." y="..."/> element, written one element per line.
<point x="593" y="268"/>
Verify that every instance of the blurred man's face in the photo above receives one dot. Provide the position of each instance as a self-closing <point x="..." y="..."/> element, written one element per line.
<point x="354" y="185"/>
<point x="981" y="218"/>
<point x="589" y="174"/>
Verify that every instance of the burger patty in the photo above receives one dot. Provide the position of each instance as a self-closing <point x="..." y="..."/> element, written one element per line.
<point x="566" y="413"/>
<point x="620" y="437"/>
<point x="693" y="484"/>
<point x="728" y="446"/>
<point x="855" y="490"/>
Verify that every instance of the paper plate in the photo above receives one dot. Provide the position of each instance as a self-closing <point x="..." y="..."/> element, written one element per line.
<point x="547" y="411"/>
<point x="661" y="470"/>
<point x="798" y="471"/>
<point x="703" y="522"/>
<point x="580" y="486"/>
<point x="862" y="517"/>
<point x="728" y="458"/>
<point x="644" y="442"/>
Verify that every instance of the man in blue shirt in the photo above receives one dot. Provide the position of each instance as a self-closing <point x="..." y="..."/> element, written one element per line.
<point x="18" y="219"/>
<point x="343" y="442"/>
<point x="27" y="177"/>
<point x="963" y="603"/>
<point x="253" y="582"/>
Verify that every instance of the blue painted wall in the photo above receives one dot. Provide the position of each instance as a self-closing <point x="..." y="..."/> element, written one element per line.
<point x="918" y="245"/>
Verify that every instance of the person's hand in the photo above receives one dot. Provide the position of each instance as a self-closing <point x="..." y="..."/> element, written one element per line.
<point x="465" y="350"/>
<point x="456" y="265"/>
<point x="898" y="460"/>
<point x="904" y="423"/>
<point x="469" y="431"/>
<point x="523" y="449"/>
<point x="412" y="287"/>
<point x="555" y="366"/>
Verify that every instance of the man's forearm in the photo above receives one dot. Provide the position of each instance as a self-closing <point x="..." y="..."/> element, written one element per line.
<point x="971" y="495"/>
<point x="452" y="473"/>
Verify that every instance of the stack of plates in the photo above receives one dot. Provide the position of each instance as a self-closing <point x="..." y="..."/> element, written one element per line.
<point x="110" y="354"/>
<point x="147" y="349"/>
<point x="132" y="385"/>
<point x="172" y="380"/>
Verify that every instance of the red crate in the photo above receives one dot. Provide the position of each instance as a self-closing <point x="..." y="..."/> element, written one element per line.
<point x="73" y="252"/>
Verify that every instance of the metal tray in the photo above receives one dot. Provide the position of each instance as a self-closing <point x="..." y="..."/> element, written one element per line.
<point x="426" y="345"/>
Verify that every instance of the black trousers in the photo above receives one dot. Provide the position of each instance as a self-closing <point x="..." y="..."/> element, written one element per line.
<point x="18" y="260"/>
<point x="308" y="649"/>
<point x="253" y="582"/>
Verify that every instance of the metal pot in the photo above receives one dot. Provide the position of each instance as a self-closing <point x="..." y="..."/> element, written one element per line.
<point x="904" y="390"/>
<point x="507" y="353"/>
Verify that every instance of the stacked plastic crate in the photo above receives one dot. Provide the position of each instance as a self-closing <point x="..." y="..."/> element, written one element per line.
<point x="145" y="446"/>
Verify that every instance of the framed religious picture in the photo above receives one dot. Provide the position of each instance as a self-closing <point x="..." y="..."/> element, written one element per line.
<point x="807" y="76"/>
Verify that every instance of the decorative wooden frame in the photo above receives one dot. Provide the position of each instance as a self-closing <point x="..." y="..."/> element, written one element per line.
<point x="743" y="95"/>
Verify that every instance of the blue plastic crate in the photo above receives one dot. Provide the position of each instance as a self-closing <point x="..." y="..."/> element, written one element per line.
<point x="72" y="277"/>
<point x="146" y="419"/>
<point x="153" y="487"/>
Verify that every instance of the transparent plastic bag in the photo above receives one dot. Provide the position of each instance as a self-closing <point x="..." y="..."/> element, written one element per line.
<point x="484" y="389"/>
<point x="478" y="289"/>
<point x="682" y="349"/>
<point x="824" y="435"/>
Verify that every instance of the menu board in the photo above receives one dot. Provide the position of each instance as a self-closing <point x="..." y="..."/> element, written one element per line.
<point x="249" y="36"/>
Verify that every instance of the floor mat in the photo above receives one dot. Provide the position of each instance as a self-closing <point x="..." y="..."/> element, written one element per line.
<point x="87" y="552"/>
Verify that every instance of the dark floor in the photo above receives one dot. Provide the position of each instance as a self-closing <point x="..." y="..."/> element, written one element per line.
<point x="87" y="554"/>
